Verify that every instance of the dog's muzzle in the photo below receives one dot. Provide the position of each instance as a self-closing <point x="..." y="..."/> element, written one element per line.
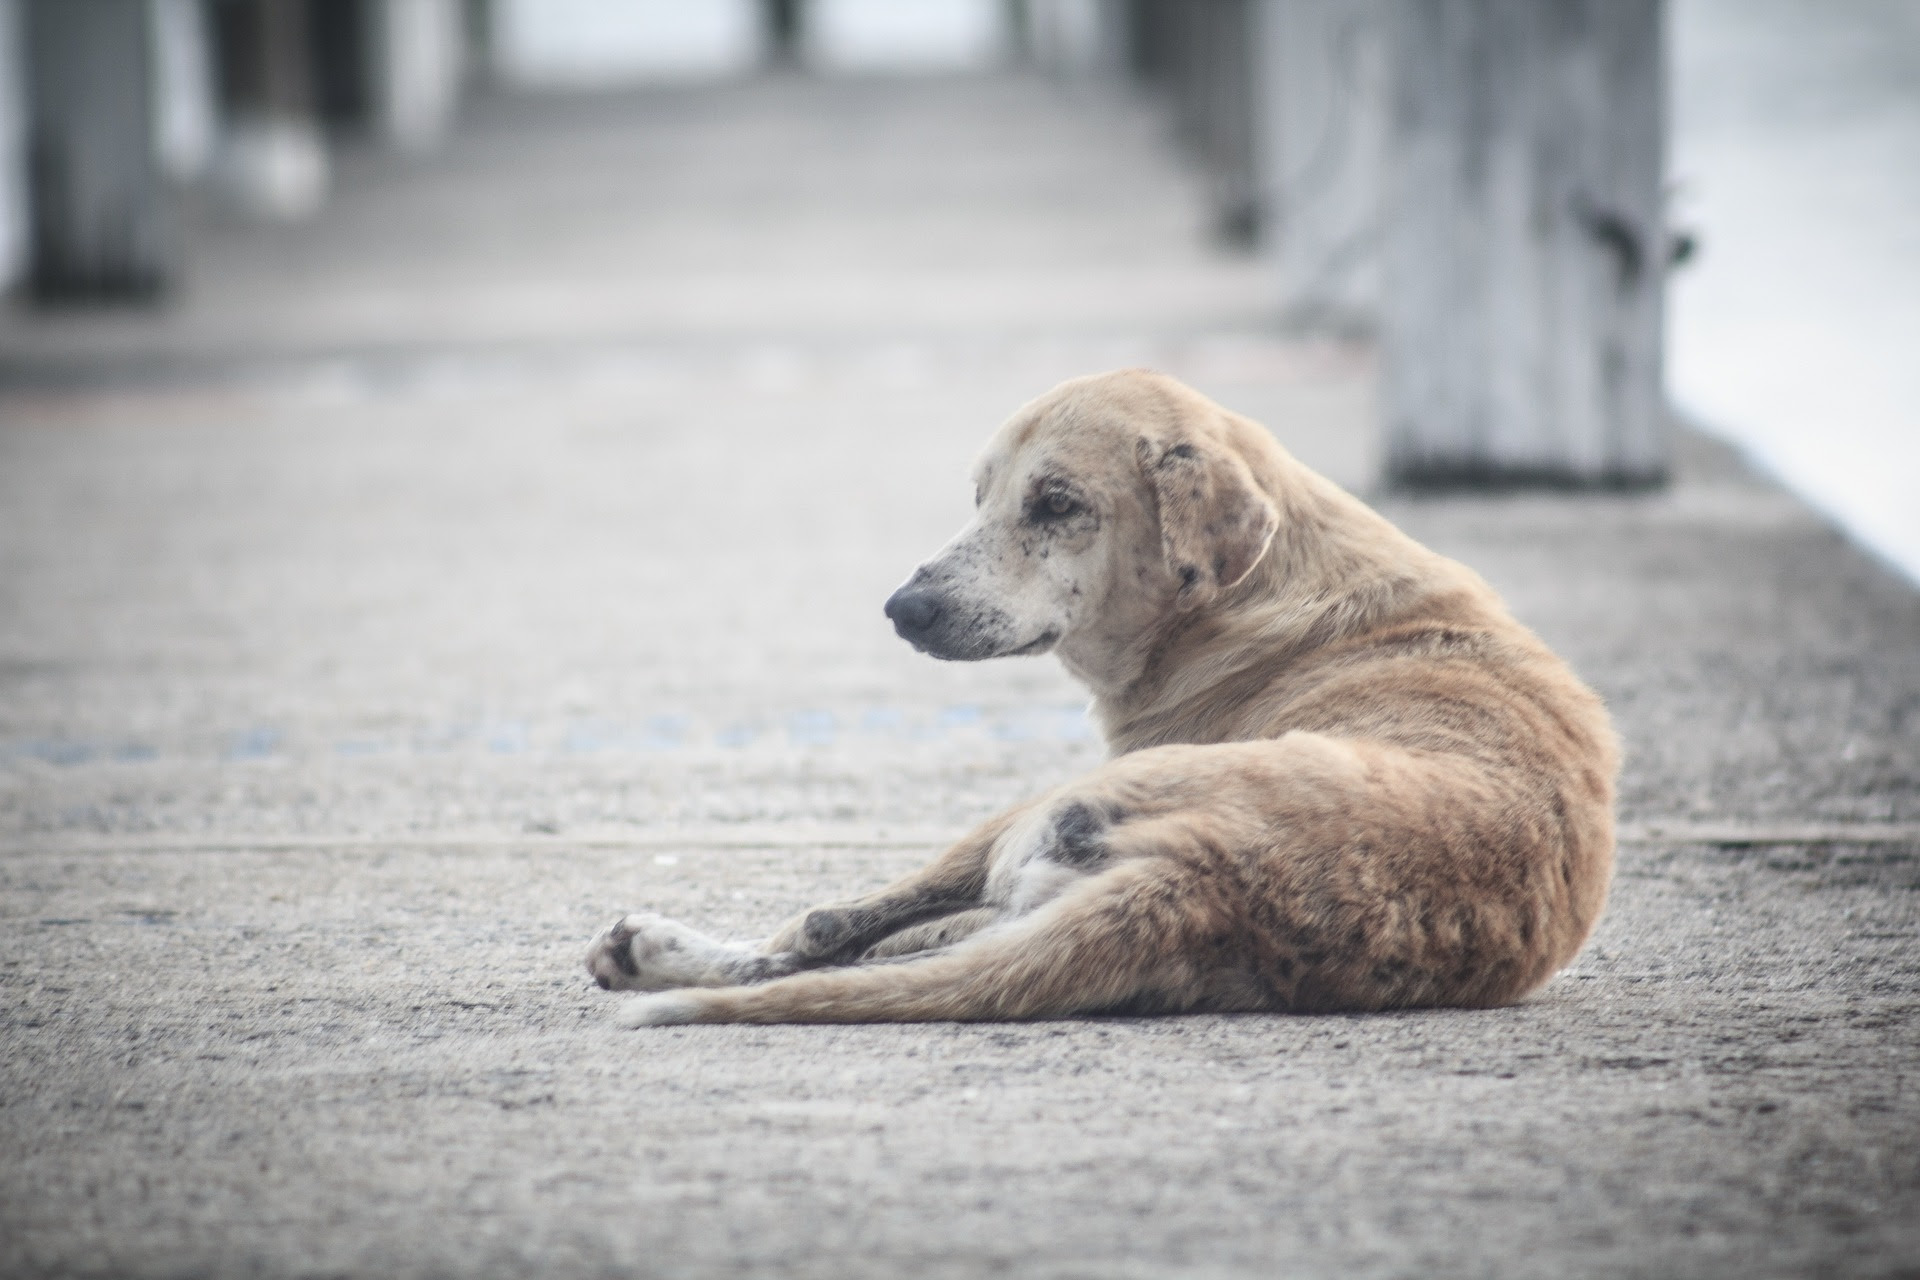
<point x="942" y="625"/>
<point x="915" y="613"/>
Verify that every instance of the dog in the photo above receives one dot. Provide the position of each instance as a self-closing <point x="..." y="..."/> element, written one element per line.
<point x="1342" y="776"/>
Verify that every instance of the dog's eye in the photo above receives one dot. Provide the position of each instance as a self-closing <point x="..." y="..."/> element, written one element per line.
<point x="1056" y="505"/>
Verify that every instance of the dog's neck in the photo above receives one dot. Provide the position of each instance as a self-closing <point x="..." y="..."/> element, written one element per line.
<point x="1335" y="569"/>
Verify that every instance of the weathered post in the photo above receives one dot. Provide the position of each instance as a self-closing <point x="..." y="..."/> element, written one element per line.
<point x="1074" y="39"/>
<point x="419" y="58"/>
<point x="186" y="110"/>
<point x="13" y="148"/>
<point x="1321" y="92"/>
<point x="95" y="198"/>
<point x="1201" y="51"/>
<point x="1222" y="83"/>
<point x="274" y="158"/>
<point x="780" y="19"/>
<point x="1525" y="252"/>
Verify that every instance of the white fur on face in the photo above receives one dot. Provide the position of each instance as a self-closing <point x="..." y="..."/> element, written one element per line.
<point x="1022" y="573"/>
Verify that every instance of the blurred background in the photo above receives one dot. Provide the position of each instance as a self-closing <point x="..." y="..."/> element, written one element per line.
<point x="575" y="376"/>
<point x="470" y="171"/>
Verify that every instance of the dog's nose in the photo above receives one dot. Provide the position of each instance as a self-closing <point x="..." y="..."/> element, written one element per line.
<point x="913" y="610"/>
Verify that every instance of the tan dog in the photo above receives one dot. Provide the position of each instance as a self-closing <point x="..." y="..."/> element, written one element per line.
<point x="1343" y="777"/>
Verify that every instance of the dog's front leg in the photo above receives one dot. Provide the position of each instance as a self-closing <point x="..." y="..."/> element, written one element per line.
<point x="647" y="952"/>
<point x="839" y="932"/>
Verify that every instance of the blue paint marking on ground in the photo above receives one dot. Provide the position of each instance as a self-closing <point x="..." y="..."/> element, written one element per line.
<point x="811" y="728"/>
<point x="436" y="740"/>
<point x="507" y="738"/>
<point x="736" y="735"/>
<point x="1013" y="729"/>
<point x="55" y="751"/>
<point x="1072" y="724"/>
<point x="665" y="733"/>
<point x="959" y="716"/>
<point x="659" y="733"/>
<point x="1058" y="724"/>
<point x="588" y="736"/>
<point x="68" y="753"/>
<point x="883" y="721"/>
<point x="257" y="743"/>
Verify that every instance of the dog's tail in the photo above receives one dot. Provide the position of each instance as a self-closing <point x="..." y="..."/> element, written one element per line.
<point x="1116" y="941"/>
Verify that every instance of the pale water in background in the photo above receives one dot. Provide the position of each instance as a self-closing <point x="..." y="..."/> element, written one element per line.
<point x="1796" y="333"/>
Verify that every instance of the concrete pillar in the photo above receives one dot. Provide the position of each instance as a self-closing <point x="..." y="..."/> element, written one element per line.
<point x="342" y="48"/>
<point x="418" y="60"/>
<point x="186" y="117"/>
<point x="1200" y="53"/>
<point x="782" y="20"/>
<point x="14" y="226"/>
<point x="1227" y="87"/>
<point x="273" y="157"/>
<point x="95" y="196"/>
<point x="1322" y="86"/>
<point x="1152" y="27"/>
<point x="1526" y="253"/>
<point x="1075" y="39"/>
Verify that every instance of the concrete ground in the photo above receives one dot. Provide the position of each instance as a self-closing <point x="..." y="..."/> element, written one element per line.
<point x="506" y="549"/>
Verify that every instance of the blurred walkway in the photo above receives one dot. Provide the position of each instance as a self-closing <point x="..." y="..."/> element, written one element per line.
<point x="506" y="549"/>
<point x="790" y="207"/>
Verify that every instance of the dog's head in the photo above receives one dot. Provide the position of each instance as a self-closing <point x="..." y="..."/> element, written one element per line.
<point x="1101" y="508"/>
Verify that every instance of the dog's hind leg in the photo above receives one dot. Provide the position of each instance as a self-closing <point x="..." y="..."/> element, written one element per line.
<point x="1133" y="937"/>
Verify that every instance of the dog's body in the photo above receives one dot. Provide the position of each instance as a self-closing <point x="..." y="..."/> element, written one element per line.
<point x="1343" y="777"/>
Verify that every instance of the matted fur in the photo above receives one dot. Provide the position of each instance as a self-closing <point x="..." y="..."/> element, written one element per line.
<point x="1342" y="775"/>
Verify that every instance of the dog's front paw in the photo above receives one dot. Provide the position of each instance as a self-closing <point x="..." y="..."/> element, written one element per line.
<point x="610" y="959"/>
<point x="647" y="952"/>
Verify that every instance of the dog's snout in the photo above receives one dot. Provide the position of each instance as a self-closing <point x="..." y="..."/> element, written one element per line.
<point x="913" y="611"/>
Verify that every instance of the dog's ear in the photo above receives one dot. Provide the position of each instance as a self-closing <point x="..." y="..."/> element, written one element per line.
<point x="1215" y="523"/>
